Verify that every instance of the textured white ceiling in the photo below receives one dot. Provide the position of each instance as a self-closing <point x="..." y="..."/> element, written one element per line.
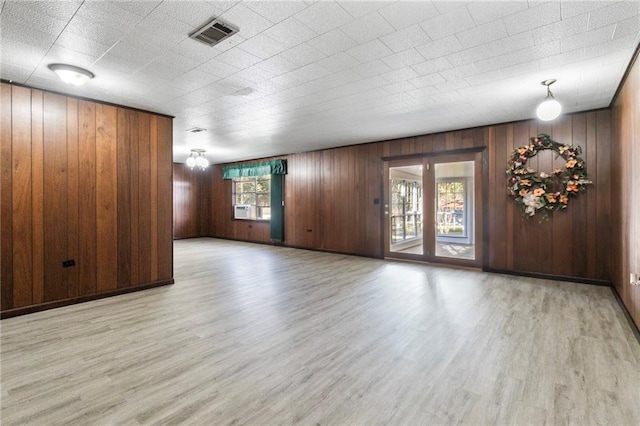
<point x="307" y="75"/>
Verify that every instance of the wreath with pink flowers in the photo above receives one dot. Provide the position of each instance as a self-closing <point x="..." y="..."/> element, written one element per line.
<point x="540" y="192"/>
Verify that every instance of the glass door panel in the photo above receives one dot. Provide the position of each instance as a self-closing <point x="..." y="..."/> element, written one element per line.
<point x="405" y="209"/>
<point x="454" y="210"/>
<point x="451" y="208"/>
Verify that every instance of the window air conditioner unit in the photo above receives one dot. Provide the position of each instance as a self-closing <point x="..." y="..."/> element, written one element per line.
<point x="244" y="211"/>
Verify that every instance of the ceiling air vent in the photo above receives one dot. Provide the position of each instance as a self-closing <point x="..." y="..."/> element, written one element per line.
<point x="214" y="32"/>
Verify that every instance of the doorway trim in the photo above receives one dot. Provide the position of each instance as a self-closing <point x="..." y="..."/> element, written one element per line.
<point x="481" y="191"/>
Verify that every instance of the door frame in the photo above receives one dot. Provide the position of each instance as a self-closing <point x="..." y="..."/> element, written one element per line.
<point x="478" y="155"/>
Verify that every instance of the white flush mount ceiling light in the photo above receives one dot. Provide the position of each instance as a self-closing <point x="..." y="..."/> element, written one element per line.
<point x="197" y="160"/>
<point x="71" y="74"/>
<point x="549" y="109"/>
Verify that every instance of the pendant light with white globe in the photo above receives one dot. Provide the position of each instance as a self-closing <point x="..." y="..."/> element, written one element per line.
<point x="197" y="160"/>
<point x="549" y="109"/>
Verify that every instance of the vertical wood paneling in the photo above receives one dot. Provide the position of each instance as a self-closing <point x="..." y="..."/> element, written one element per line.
<point x="560" y="245"/>
<point x="541" y="232"/>
<point x="631" y="199"/>
<point x="632" y="204"/>
<point x="144" y="200"/>
<point x="65" y="170"/>
<point x="423" y="144"/>
<point x="106" y="197"/>
<point x="329" y="221"/>
<point x="301" y="192"/>
<point x="580" y="213"/>
<point x="311" y="187"/>
<point x="438" y="142"/>
<point x="55" y="196"/>
<point x="373" y="230"/>
<point x="359" y="193"/>
<point x="592" y="200"/>
<point x="201" y="209"/>
<point x="326" y="199"/>
<point x="21" y="196"/>
<point x="603" y="188"/>
<point x="87" y="267"/>
<point x="289" y="210"/>
<point x="499" y="199"/>
<point x="191" y="202"/>
<point x="153" y="194"/>
<point x="343" y="200"/>
<point x="125" y="175"/>
<point x="72" y="197"/>
<point x="37" y="194"/>
<point x="181" y="211"/>
<point x="218" y="219"/>
<point x="520" y="132"/>
<point x="205" y="203"/>
<point x="349" y="205"/>
<point x="450" y="141"/>
<point x="6" y="210"/>
<point x="165" y="198"/>
<point x="134" y="185"/>
<point x="625" y="189"/>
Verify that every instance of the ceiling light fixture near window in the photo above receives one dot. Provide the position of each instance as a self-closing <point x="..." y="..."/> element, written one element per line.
<point x="196" y="130"/>
<point x="197" y="160"/>
<point x="71" y="74"/>
<point x="549" y="109"/>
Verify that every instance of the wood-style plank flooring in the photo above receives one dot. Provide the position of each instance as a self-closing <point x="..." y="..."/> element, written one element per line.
<point x="253" y="334"/>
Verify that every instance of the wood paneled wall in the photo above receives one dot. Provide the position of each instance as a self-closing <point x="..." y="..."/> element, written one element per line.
<point x="191" y="201"/>
<point x="626" y="191"/>
<point x="574" y="243"/>
<point x="81" y="181"/>
<point x="329" y="199"/>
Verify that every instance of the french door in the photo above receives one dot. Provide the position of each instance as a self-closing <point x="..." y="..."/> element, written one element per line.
<point x="433" y="208"/>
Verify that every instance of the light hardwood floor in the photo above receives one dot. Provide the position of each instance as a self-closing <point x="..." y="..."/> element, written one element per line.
<point x="253" y="334"/>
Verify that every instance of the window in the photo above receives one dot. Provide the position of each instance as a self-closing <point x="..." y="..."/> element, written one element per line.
<point x="252" y="197"/>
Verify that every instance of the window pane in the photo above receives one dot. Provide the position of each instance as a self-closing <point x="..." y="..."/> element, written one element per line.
<point x="248" y="187"/>
<point x="264" y="200"/>
<point x="263" y="185"/>
<point x="406" y="210"/>
<point x="450" y="214"/>
<point x="264" y="213"/>
<point x="454" y="210"/>
<point x="249" y="198"/>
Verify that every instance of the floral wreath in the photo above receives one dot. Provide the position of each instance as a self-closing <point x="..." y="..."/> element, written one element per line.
<point x="535" y="191"/>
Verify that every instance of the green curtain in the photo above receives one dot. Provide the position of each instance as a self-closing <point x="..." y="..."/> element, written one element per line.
<point x="273" y="167"/>
<point x="277" y="208"/>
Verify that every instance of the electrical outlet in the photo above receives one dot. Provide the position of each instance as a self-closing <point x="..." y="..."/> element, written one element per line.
<point x="634" y="279"/>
